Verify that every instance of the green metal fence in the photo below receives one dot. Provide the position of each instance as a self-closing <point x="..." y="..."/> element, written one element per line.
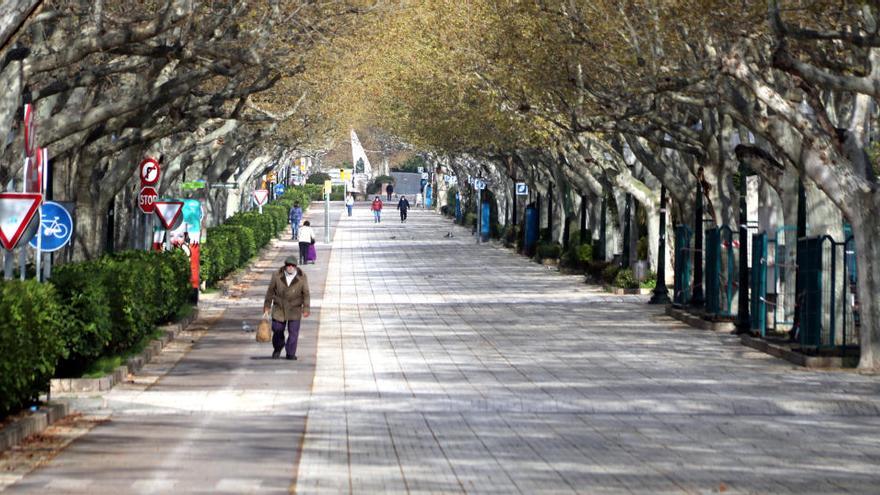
<point x="827" y="304"/>
<point x="683" y="262"/>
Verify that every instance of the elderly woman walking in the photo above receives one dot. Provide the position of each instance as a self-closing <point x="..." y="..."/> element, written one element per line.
<point x="288" y="299"/>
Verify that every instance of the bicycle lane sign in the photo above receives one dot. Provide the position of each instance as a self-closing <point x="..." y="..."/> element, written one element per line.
<point x="56" y="227"/>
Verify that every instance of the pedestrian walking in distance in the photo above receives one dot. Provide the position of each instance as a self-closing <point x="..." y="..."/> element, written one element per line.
<point x="389" y="189"/>
<point x="306" y="239"/>
<point x="377" y="210"/>
<point x="295" y="216"/>
<point x="288" y="300"/>
<point x="403" y="206"/>
<point x="349" y="203"/>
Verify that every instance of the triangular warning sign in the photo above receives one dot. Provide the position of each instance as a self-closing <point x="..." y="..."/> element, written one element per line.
<point x="260" y="196"/>
<point x="16" y="212"/>
<point x="168" y="212"/>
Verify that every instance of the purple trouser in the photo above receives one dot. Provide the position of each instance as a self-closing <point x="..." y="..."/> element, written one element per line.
<point x="292" y="336"/>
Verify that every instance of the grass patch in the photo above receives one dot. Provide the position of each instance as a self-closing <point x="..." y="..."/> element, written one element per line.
<point x="105" y="365"/>
<point x="185" y="311"/>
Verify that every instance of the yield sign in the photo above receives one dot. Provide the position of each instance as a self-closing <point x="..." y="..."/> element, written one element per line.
<point x="168" y="212"/>
<point x="16" y="212"/>
<point x="260" y="196"/>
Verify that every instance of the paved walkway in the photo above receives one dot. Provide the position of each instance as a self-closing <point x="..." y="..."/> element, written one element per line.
<point x="443" y="366"/>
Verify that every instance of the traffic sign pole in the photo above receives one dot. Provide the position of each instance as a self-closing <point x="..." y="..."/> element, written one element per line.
<point x="39" y="254"/>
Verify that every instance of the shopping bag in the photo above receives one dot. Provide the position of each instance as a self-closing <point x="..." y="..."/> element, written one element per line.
<point x="312" y="254"/>
<point x="264" y="330"/>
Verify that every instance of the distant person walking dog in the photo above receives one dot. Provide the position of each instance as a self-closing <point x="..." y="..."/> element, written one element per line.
<point x="288" y="300"/>
<point x="295" y="216"/>
<point x="403" y="206"/>
<point x="377" y="210"/>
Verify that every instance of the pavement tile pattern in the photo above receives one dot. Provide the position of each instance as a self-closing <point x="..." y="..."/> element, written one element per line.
<point x="444" y="366"/>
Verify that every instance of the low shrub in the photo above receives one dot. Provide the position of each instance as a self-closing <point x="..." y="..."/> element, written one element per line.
<point x="609" y="273"/>
<point x="470" y="219"/>
<point x="548" y="250"/>
<point x="578" y="255"/>
<point x="88" y="311"/>
<point x="31" y="340"/>
<point x="625" y="279"/>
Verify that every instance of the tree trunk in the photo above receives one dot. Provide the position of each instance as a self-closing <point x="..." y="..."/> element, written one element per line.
<point x="865" y="236"/>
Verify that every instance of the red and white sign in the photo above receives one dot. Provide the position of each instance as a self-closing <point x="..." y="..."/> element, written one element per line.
<point x="147" y="199"/>
<point x="35" y="171"/>
<point x="168" y="212"/>
<point x="149" y="171"/>
<point x="261" y="196"/>
<point x="30" y="130"/>
<point x="16" y="212"/>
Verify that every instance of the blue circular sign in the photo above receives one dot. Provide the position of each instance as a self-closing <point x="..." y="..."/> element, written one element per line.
<point x="279" y="189"/>
<point x="56" y="227"/>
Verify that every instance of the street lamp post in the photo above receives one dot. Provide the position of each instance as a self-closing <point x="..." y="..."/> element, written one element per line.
<point x="602" y="227"/>
<point x="550" y="211"/>
<point x="583" y="231"/>
<point x="743" y="321"/>
<point x="624" y="261"/>
<point x="697" y="297"/>
<point x="661" y="292"/>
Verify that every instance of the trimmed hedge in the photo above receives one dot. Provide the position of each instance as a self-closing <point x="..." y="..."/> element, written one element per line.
<point x="549" y="250"/>
<point x="113" y="302"/>
<point x="230" y="246"/>
<point x="30" y="341"/>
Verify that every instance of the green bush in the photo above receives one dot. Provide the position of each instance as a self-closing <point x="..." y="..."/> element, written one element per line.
<point x="626" y="280"/>
<point x="450" y="201"/>
<point x="578" y="255"/>
<point x="85" y="297"/>
<point x="470" y="219"/>
<point x="317" y="178"/>
<point x="113" y="302"/>
<point x="549" y="250"/>
<point x="609" y="273"/>
<point x="585" y="253"/>
<point x="338" y="193"/>
<point x="31" y="341"/>
<point x="650" y="281"/>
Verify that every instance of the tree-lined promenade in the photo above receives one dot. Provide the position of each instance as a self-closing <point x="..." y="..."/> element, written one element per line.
<point x="497" y="375"/>
<point x="588" y="102"/>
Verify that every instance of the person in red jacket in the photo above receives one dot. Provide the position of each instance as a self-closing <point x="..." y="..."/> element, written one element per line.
<point x="377" y="210"/>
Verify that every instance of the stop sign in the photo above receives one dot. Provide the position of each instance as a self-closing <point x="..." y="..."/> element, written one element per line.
<point x="147" y="199"/>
